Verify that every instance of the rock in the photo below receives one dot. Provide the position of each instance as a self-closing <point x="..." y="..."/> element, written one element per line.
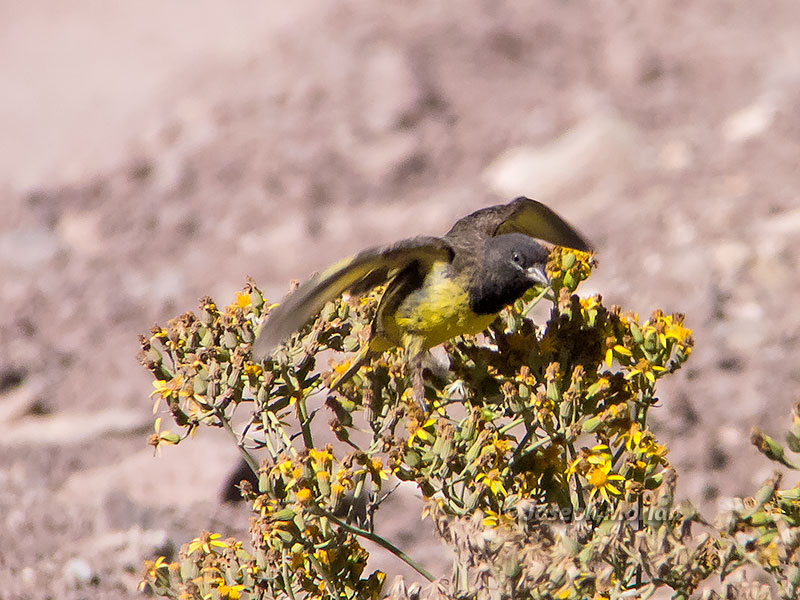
<point x="386" y="158"/>
<point x="751" y="121"/>
<point x="159" y="285"/>
<point x="181" y="475"/>
<point x="121" y="512"/>
<point x="675" y="155"/>
<point x="80" y="233"/>
<point x="20" y="400"/>
<point x="73" y="428"/>
<point x="27" y="248"/>
<point x="730" y="258"/>
<point x="594" y="149"/>
<point x="681" y="229"/>
<point x="128" y="547"/>
<point x="747" y="310"/>
<point x="389" y="91"/>
<point x="11" y="377"/>
<point x="730" y="437"/>
<point x="78" y="571"/>
<point x="785" y="222"/>
<point x="652" y="262"/>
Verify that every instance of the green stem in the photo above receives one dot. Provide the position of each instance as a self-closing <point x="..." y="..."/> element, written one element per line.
<point x="535" y="300"/>
<point x="385" y="544"/>
<point x="578" y="486"/>
<point x="321" y="570"/>
<point x="647" y="399"/>
<point x="248" y="458"/>
<point x="302" y="416"/>
<point x="276" y="426"/>
<point x="268" y="439"/>
<point x="640" y="526"/>
<point x="287" y="582"/>
<point x="617" y="455"/>
<point x="529" y="450"/>
<point x="511" y="425"/>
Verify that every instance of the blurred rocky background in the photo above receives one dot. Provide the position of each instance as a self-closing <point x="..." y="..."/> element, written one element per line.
<point x="153" y="152"/>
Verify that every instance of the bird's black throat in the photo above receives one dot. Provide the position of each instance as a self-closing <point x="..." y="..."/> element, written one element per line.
<point x="490" y="294"/>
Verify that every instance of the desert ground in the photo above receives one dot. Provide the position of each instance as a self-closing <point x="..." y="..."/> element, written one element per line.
<point x="152" y="153"/>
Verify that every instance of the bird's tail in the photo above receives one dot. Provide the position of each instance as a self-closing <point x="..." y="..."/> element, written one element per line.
<point x="358" y="361"/>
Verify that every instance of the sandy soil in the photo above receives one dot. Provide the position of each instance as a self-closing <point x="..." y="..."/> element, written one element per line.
<point x="157" y="153"/>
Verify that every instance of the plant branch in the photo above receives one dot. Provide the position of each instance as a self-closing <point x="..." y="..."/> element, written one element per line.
<point x="248" y="458"/>
<point x="385" y="544"/>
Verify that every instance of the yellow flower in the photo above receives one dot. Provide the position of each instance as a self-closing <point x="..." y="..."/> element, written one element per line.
<point x="676" y="331"/>
<point x="496" y="451"/>
<point x="590" y="303"/>
<point x="501" y="446"/>
<point x="595" y="466"/>
<point x="599" y="455"/>
<point x="326" y="557"/>
<point x="493" y="481"/>
<point x="321" y="459"/>
<point x="285" y="467"/>
<point x="253" y="370"/>
<point x="337" y="491"/>
<point x="374" y="466"/>
<point x="341" y="368"/>
<point x="619" y="350"/>
<point x="494" y="519"/>
<point x="233" y="592"/>
<point x="150" y="571"/>
<point x="165" y="437"/>
<point x="525" y="376"/>
<point x="165" y="389"/>
<point x="633" y="437"/>
<point x="345" y="478"/>
<point x="304" y="495"/>
<point x="642" y="443"/>
<point x="242" y="301"/>
<point x="376" y="471"/>
<point x="649" y="370"/>
<point x="770" y="554"/>
<point x="205" y="542"/>
<point x="600" y="478"/>
<point x="422" y="432"/>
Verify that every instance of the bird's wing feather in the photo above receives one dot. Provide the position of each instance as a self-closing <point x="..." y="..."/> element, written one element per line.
<point x="366" y="269"/>
<point x="536" y="220"/>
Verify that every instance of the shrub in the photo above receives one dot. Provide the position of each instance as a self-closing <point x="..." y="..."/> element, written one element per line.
<point x="536" y="460"/>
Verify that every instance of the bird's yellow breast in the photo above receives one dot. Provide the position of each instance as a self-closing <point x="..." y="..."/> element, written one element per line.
<point x="434" y="313"/>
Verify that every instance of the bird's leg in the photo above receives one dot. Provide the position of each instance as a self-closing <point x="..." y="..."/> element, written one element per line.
<point x="418" y="383"/>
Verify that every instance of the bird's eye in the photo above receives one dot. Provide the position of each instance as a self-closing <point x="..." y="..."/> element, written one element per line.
<point x="515" y="257"/>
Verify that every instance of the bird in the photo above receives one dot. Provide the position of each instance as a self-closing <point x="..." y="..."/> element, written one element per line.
<point x="437" y="288"/>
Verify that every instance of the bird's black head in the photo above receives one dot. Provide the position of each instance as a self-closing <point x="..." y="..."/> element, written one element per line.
<point x="511" y="264"/>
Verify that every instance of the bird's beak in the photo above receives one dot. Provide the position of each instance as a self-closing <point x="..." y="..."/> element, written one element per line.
<point x="537" y="274"/>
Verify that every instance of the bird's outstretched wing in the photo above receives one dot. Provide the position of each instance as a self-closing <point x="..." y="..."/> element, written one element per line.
<point x="522" y="215"/>
<point x="366" y="269"/>
<point x="533" y="218"/>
